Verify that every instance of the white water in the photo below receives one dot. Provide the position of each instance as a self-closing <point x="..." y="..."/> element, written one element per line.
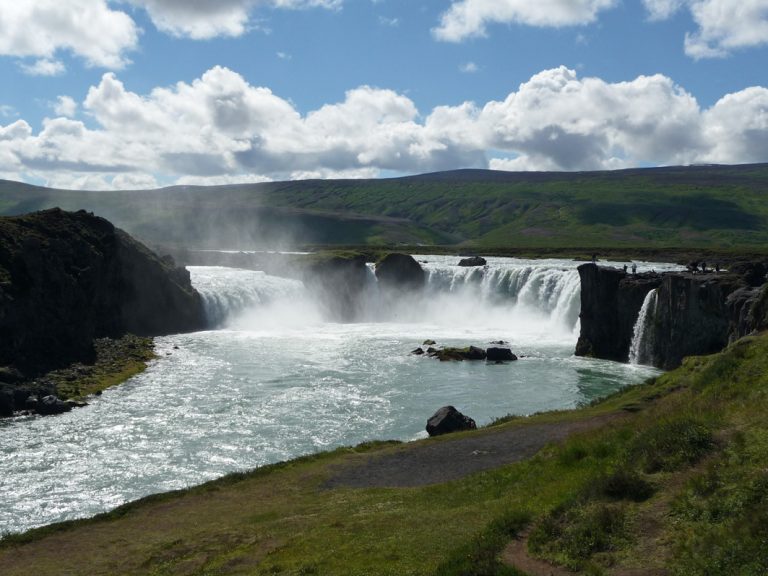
<point x="640" y="350"/>
<point x="278" y="380"/>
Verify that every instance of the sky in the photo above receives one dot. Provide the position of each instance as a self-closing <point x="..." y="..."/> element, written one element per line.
<point x="129" y="94"/>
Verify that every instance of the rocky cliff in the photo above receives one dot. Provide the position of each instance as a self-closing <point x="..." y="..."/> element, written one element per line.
<point x="610" y="303"/>
<point x="694" y="313"/>
<point x="68" y="278"/>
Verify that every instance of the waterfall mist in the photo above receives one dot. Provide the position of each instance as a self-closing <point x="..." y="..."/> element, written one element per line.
<point x="524" y="299"/>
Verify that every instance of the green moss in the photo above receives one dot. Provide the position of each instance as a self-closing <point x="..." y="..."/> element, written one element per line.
<point x="117" y="360"/>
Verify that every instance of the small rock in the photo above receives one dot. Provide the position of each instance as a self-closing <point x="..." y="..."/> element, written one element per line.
<point x="75" y="403"/>
<point x="500" y="355"/>
<point x="417" y="352"/>
<point x="473" y="261"/>
<point x="429" y="343"/>
<point x="446" y="420"/>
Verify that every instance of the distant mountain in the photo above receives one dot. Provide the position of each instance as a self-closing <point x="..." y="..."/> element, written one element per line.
<point x="696" y="206"/>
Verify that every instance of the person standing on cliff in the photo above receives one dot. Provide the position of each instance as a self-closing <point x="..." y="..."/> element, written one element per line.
<point x="634" y="268"/>
<point x="625" y="268"/>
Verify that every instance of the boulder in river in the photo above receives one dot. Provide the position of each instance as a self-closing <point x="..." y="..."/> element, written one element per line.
<point x="473" y="261"/>
<point x="459" y="354"/>
<point x="500" y="355"/>
<point x="446" y="420"/>
<point x="400" y="271"/>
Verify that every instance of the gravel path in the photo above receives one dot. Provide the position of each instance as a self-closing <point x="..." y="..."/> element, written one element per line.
<point x="441" y="461"/>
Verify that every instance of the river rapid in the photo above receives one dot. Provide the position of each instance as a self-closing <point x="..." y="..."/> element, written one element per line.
<point x="276" y="379"/>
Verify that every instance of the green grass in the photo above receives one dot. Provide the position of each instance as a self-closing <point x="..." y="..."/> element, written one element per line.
<point x="704" y="208"/>
<point x="675" y="478"/>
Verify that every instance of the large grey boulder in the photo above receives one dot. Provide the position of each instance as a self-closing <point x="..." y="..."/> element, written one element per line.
<point x="446" y="420"/>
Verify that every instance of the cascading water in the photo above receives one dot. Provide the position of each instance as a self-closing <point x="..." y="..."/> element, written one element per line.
<point x="641" y="348"/>
<point x="529" y="293"/>
<point x="229" y="293"/>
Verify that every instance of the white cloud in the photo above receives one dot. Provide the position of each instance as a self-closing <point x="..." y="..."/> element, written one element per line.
<point x="89" y="29"/>
<point x="469" y="68"/>
<point x="737" y="127"/>
<point x="44" y="67"/>
<point x="203" y="19"/>
<point x="724" y="25"/>
<point x="103" y="36"/>
<point x="65" y="106"/>
<point x="468" y="18"/>
<point x="663" y="9"/>
<point x="557" y="120"/>
<point x="221" y="129"/>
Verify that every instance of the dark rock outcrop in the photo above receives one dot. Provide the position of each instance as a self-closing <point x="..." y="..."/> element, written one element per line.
<point x="400" y="272"/>
<point x="692" y="316"/>
<point x="610" y="303"/>
<point x="51" y="405"/>
<point x="473" y="261"/>
<point x="500" y="355"/>
<point x="694" y="313"/>
<point x="459" y="354"/>
<point x="68" y="278"/>
<point x="446" y="420"/>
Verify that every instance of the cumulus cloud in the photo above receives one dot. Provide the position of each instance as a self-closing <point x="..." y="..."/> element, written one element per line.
<point x="44" y="67"/>
<point x="221" y="129"/>
<point x="90" y="29"/>
<point x="65" y="106"/>
<point x="468" y="18"/>
<point x="205" y="19"/>
<point x="101" y="34"/>
<point x="724" y="25"/>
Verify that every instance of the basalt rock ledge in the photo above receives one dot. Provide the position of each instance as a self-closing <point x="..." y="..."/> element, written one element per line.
<point x="67" y="278"/>
<point x="693" y="313"/>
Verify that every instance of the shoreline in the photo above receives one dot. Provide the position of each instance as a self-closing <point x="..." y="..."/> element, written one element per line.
<point x="116" y="360"/>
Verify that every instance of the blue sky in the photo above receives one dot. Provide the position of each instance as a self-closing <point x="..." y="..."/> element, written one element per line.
<point x="144" y="93"/>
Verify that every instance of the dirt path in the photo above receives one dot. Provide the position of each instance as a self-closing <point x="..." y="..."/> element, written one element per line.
<point x="451" y="459"/>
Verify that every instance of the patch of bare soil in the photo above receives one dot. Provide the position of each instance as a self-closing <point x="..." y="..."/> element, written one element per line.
<point x="451" y="459"/>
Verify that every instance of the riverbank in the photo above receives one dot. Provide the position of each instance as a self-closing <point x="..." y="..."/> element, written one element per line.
<point x="657" y="474"/>
<point x="115" y="361"/>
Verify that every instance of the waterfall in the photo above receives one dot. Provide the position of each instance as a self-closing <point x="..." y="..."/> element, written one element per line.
<point x="548" y="291"/>
<point x="518" y="296"/>
<point x="230" y="292"/>
<point x="640" y="350"/>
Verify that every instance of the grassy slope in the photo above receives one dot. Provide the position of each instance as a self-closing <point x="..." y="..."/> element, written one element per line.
<point x="723" y="207"/>
<point x="680" y="482"/>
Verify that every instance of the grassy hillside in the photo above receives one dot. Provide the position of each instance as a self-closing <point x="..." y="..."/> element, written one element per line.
<point x="670" y="479"/>
<point x="722" y="207"/>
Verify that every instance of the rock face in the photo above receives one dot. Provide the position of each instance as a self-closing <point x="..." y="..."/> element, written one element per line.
<point x="473" y="261"/>
<point x="400" y="272"/>
<point x="694" y="313"/>
<point x="67" y="278"/>
<point x="446" y="420"/>
<point x="339" y="282"/>
<point x="692" y="316"/>
<point x="610" y="303"/>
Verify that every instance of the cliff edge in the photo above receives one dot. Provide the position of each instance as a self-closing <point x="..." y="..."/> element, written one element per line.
<point x="67" y="278"/>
